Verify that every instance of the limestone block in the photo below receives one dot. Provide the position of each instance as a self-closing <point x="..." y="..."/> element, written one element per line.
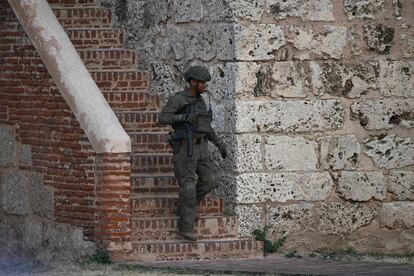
<point x="287" y="220"/>
<point x="397" y="78"/>
<point x="370" y="9"/>
<point x="188" y="10"/>
<point x="32" y="233"/>
<point x="15" y="186"/>
<point x="330" y="41"/>
<point x="250" y="217"/>
<point x="218" y="10"/>
<point x="42" y="197"/>
<point x="258" y="42"/>
<point x="397" y="215"/>
<point x="203" y="42"/>
<point x="25" y="155"/>
<point x="8" y="147"/>
<point x="244" y="153"/>
<point x="362" y="186"/>
<point x="284" y="153"/>
<point x="288" y="116"/>
<point x="379" y="38"/>
<point x="379" y="114"/>
<point x="341" y="217"/>
<point x="281" y="187"/>
<point x="233" y="80"/>
<point x="251" y="10"/>
<point x="340" y="152"/>
<point x="391" y="151"/>
<point x="409" y="48"/>
<point x="339" y="79"/>
<point x="287" y="80"/>
<point x="321" y="10"/>
<point x="401" y="183"/>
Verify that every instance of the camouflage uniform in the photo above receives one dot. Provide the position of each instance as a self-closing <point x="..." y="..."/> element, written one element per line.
<point x="186" y="169"/>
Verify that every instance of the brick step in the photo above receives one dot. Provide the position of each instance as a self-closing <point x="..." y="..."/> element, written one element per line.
<point x="13" y="33"/>
<point x="202" y="249"/>
<point x="150" y="142"/>
<point x="84" y="17"/>
<point x="151" y="163"/>
<point x="140" y="121"/>
<point x="96" y="38"/>
<point x="207" y="227"/>
<point x="71" y="3"/>
<point x="121" y="80"/>
<point x="139" y="100"/>
<point x="98" y="59"/>
<point x="154" y="183"/>
<point x="165" y="205"/>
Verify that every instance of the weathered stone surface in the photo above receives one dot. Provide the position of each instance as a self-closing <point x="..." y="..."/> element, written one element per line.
<point x="204" y="42"/>
<point x="25" y="155"/>
<point x="378" y="114"/>
<point x="397" y="9"/>
<point x="340" y="152"/>
<point x="379" y="38"/>
<point x="233" y="80"/>
<point x="244" y="153"/>
<point x="397" y="215"/>
<point x="397" y="78"/>
<point x="288" y="116"/>
<point x="247" y="9"/>
<point x="287" y="220"/>
<point x="250" y="218"/>
<point x="68" y="240"/>
<point x="257" y="42"/>
<point x="281" y="187"/>
<point x="362" y="186"/>
<point x="329" y="42"/>
<point x="42" y="197"/>
<point x="409" y="48"/>
<point x="32" y="233"/>
<point x="287" y="80"/>
<point x="307" y="10"/>
<point x="401" y="184"/>
<point x="188" y="10"/>
<point x="8" y="147"/>
<point x="341" y="217"/>
<point x="370" y="9"/>
<point x="284" y="153"/>
<point x="218" y="10"/>
<point x="339" y="79"/>
<point x="15" y="186"/>
<point x="391" y="152"/>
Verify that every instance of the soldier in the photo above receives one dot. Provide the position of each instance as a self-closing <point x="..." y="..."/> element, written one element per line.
<point x="187" y="113"/>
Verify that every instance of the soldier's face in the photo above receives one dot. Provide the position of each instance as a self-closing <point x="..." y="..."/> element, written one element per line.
<point x="199" y="86"/>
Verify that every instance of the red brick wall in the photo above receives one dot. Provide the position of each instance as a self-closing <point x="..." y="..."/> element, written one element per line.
<point x="31" y="102"/>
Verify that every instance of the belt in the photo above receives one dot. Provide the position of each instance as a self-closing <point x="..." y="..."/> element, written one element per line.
<point x="196" y="140"/>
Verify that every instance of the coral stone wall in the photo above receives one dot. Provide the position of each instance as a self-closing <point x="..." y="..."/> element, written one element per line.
<point x="315" y="102"/>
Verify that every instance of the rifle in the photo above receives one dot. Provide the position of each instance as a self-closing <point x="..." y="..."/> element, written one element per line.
<point x="189" y="129"/>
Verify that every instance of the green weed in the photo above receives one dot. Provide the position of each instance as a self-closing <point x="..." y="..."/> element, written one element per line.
<point x="269" y="246"/>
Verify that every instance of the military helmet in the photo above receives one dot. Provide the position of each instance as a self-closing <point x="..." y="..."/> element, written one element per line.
<point x="197" y="73"/>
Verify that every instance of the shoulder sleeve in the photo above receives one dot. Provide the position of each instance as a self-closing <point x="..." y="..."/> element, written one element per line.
<point x="169" y="114"/>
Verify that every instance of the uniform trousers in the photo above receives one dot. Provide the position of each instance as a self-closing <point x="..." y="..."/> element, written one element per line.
<point x="196" y="178"/>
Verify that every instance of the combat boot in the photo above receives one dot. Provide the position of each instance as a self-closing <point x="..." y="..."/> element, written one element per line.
<point x="188" y="236"/>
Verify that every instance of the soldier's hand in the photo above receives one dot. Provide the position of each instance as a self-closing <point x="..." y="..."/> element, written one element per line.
<point x="190" y="118"/>
<point x="223" y="152"/>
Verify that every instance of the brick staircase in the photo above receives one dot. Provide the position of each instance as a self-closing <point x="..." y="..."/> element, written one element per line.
<point x="154" y="187"/>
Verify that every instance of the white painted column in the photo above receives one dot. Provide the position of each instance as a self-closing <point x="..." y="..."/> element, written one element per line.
<point x="71" y="76"/>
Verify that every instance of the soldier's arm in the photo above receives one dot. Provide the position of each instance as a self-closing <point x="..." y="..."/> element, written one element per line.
<point x="169" y="114"/>
<point x="212" y="136"/>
